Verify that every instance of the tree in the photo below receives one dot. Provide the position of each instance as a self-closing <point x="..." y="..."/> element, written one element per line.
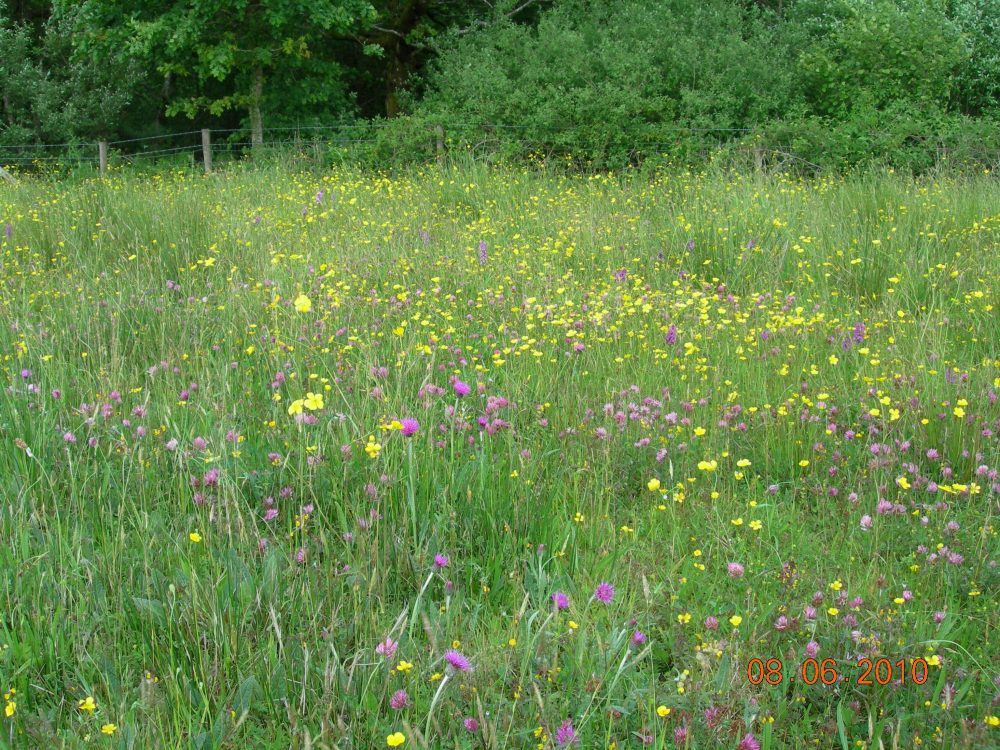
<point x="238" y="43"/>
<point x="403" y="33"/>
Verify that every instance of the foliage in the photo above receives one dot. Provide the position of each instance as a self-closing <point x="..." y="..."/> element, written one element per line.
<point x="595" y="84"/>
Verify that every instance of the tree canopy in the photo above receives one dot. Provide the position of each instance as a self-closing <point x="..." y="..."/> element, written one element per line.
<point x="607" y="81"/>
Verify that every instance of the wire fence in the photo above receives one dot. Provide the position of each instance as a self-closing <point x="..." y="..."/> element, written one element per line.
<point x="433" y="141"/>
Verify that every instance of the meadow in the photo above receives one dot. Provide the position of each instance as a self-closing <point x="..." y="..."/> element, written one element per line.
<point x="496" y="458"/>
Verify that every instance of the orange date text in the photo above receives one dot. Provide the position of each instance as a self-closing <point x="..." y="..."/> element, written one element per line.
<point x="829" y="672"/>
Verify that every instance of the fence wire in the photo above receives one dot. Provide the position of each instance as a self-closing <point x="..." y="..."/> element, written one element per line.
<point x="476" y="137"/>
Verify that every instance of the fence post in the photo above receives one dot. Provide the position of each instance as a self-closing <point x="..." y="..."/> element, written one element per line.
<point x="439" y="130"/>
<point x="206" y="149"/>
<point x="102" y="156"/>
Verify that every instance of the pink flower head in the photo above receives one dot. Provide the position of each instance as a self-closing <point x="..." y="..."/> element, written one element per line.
<point x="462" y="389"/>
<point x="387" y="648"/>
<point x="410" y="427"/>
<point x="565" y="734"/>
<point x="604" y="592"/>
<point x="399" y="700"/>
<point x="735" y="570"/>
<point x="711" y="623"/>
<point x="457" y="661"/>
<point x="471" y="724"/>
<point x="441" y="561"/>
<point x="560" y="600"/>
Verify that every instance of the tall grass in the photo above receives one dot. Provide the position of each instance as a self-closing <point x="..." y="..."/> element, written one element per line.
<point x="669" y="373"/>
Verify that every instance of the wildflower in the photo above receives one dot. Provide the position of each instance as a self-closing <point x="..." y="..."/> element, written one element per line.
<point x="866" y="521"/>
<point x="457" y="661"/>
<point x="399" y="700"/>
<point x="482" y="253"/>
<point x="303" y="304"/>
<point x="409" y="427"/>
<point x="195" y="537"/>
<point x="662" y="711"/>
<point x="462" y="389"/>
<point x="387" y="648"/>
<point x="395" y="739"/>
<point x="749" y="742"/>
<point x="638" y="638"/>
<point x="812" y="648"/>
<point x="87" y="704"/>
<point x="313" y="401"/>
<point x="735" y="621"/>
<point x="560" y="600"/>
<point x="604" y="593"/>
<point x="735" y="570"/>
<point x="69" y="437"/>
<point x="109" y="729"/>
<point x="653" y="484"/>
<point x="441" y="561"/>
<point x="471" y="724"/>
<point x="565" y="734"/>
<point x="711" y="623"/>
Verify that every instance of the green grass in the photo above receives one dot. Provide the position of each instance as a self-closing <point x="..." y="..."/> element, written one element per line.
<point x="699" y="330"/>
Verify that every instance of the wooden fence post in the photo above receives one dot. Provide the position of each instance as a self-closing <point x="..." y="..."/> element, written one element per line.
<point x="206" y="149"/>
<point x="439" y="130"/>
<point x="102" y="156"/>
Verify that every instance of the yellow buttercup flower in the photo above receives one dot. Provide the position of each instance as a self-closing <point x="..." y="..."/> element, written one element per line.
<point x="303" y="304"/>
<point x="395" y="739"/>
<point x="87" y="704"/>
<point x="109" y="729"/>
<point x="195" y="537"/>
<point x="313" y="401"/>
<point x="735" y="621"/>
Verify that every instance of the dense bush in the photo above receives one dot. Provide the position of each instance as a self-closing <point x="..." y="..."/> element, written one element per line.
<point x="827" y="84"/>
<point x="821" y="84"/>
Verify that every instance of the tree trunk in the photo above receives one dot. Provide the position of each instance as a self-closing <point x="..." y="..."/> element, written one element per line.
<point x="256" y="121"/>
<point x="396" y="73"/>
